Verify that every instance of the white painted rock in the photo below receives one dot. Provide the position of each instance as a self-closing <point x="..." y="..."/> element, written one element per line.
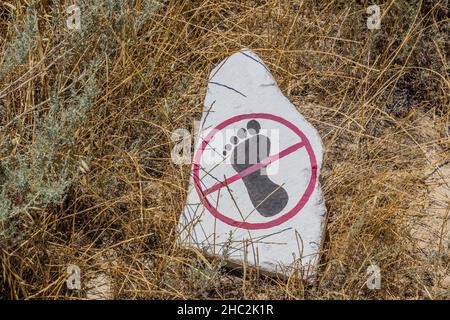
<point x="254" y="194"/>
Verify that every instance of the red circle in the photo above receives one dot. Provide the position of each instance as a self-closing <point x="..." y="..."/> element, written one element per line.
<point x="263" y="225"/>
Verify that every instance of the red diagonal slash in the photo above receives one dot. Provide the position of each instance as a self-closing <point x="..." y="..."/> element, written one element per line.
<point x="254" y="168"/>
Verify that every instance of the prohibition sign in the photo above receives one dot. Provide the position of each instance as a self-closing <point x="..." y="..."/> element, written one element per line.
<point x="304" y="142"/>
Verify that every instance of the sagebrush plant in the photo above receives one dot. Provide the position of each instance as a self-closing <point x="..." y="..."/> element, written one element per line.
<point x="24" y="37"/>
<point x="86" y="119"/>
<point x="40" y="173"/>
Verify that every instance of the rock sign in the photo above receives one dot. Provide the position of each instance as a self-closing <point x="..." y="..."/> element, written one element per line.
<point x="254" y="195"/>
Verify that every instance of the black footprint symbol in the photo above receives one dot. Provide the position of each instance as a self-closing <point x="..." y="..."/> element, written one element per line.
<point x="251" y="147"/>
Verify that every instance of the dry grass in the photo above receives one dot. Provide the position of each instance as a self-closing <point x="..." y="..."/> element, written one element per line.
<point x="111" y="95"/>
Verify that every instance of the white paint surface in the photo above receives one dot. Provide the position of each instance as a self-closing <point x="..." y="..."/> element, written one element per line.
<point x="242" y="84"/>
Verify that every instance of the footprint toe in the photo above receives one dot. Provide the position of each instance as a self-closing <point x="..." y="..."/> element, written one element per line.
<point x="227" y="148"/>
<point x="251" y="132"/>
<point x="254" y="126"/>
<point x="242" y="133"/>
